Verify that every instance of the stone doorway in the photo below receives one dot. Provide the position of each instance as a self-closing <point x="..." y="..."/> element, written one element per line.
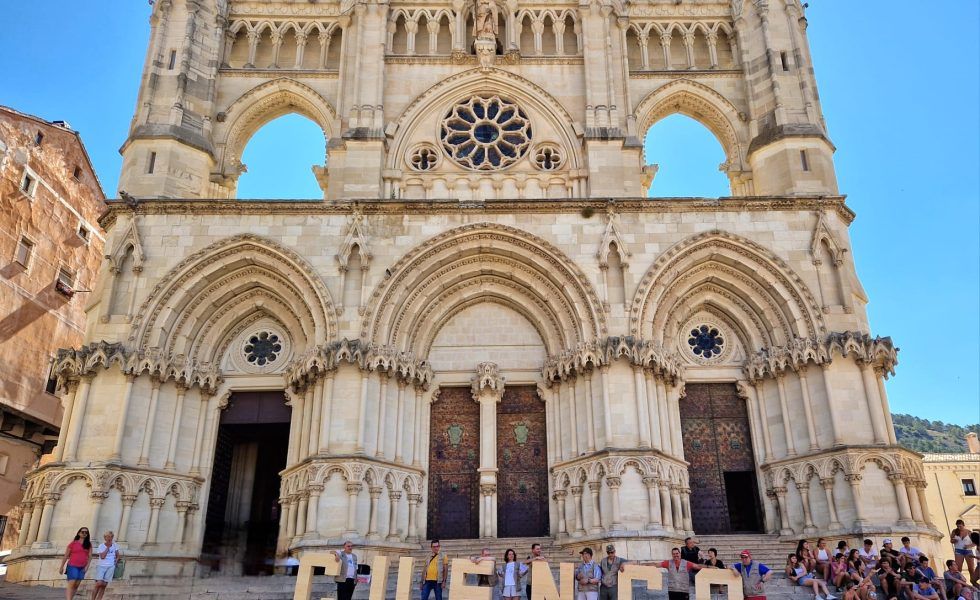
<point x="522" y="462"/>
<point x="718" y="445"/>
<point x="242" y="521"/>
<point x="454" y="457"/>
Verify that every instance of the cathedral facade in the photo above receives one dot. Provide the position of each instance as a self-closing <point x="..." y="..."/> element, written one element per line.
<point x="484" y="328"/>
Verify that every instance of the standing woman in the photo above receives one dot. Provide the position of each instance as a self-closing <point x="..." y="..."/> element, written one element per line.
<point x="963" y="549"/>
<point x="510" y="575"/>
<point x="75" y="561"/>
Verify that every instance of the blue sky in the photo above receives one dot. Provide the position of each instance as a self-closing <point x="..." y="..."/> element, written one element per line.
<point x="899" y="87"/>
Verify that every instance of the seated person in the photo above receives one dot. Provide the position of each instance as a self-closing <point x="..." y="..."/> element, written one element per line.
<point x="908" y="551"/>
<point x="868" y="555"/>
<point x="887" y="549"/>
<point x="955" y="581"/>
<point x="910" y="577"/>
<point x="929" y="573"/>
<point x="888" y="579"/>
<point x="801" y="577"/>
<point x="924" y="591"/>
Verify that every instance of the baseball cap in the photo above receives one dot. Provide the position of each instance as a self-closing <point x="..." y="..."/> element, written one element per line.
<point x="586" y="550"/>
<point x="610" y="548"/>
<point x="746" y="553"/>
<point x="887" y="541"/>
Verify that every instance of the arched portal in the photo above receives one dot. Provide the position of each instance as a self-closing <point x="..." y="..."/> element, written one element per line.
<point x="272" y="173"/>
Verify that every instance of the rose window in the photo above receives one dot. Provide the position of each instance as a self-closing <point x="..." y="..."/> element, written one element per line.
<point x="262" y="348"/>
<point x="485" y="133"/>
<point x="423" y="158"/>
<point x="706" y="341"/>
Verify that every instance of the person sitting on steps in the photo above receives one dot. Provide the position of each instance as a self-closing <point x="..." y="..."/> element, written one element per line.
<point x="798" y="575"/>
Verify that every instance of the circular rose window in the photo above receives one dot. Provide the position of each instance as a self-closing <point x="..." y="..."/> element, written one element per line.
<point x="262" y="348"/>
<point x="485" y="133"/>
<point x="706" y="341"/>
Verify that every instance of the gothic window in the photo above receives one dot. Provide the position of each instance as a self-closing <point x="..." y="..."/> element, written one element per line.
<point x="262" y="348"/>
<point x="423" y="158"/>
<point x="486" y="133"/>
<point x="548" y="158"/>
<point x="705" y="341"/>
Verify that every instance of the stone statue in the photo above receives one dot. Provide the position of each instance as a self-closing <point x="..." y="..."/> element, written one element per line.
<point x="485" y="20"/>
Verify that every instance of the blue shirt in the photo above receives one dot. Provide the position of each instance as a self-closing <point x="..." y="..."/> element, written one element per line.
<point x="763" y="569"/>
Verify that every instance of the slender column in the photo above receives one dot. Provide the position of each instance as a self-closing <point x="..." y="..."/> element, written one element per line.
<point x="413" y="502"/>
<point x="675" y="505"/>
<point x="617" y="520"/>
<point x="202" y="416"/>
<point x="784" y="415"/>
<point x="182" y="508"/>
<point x="312" y="509"/>
<point x="902" y="497"/>
<point x="689" y="48"/>
<point x="374" y="493"/>
<point x="665" y="512"/>
<point x="590" y="411"/>
<point x="290" y="508"/>
<point x="674" y="409"/>
<point x="804" y="489"/>
<point x="362" y="410"/>
<point x="889" y="425"/>
<point x="577" y="501"/>
<point x="573" y="416"/>
<point x="785" y="529"/>
<point x="394" y="497"/>
<point x="153" y="528"/>
<point x="123" y="413"/>
<point x="560" y="496"/>
<point x="759" y="387"/>
<point x="914" y="502"/>
<point x="665" y="46"/>
<point x="594" y="489"/>
<point x="560" y="446"/>
<point x="59" y="450"/>
<point x="920" y="491"/>
<point x="828" y="489"/>
<point x="47" y="514"/>
<point x="662" y="406"/>
<point x="811" y="429"/>
<point x="353" y="489"/>
<point x="416" y="431"/>
<point x="606" y="410"/>
<point x="77" y="418"/>
<point x="253" y="45"/>
<point x="122" y="531"/>
<point x="854" y="480"/>
<point x="653" y="502"/>
<point x="326" y="414"/>
<point x="550" y="421"/>
<point x="36" y="513"/>
<point x="304" y="429"/>
<point x="324" y="39"/>
<point x="772" y="511"/>
<point x="487" y="491"/>
<point x="97" y="500"/>
<point x="874" y="403"/>
<point x="170" y="465"/>
<point x="295" y="422"/>
<point x="399" y="422"/>
<point x="642" y="419"/>
<point x="686" y="509"/>
<point x="654" y="414"/>
<point x="300" y="49"/>
<point x="712" y="49"/>
<point x="26" y="510"/>
<point x="302" y="505"/>
<point x="382" y="417"/>
<point x="316" y="417"/>
<point x="831" y="409"/>
<point x="282" y="542"/>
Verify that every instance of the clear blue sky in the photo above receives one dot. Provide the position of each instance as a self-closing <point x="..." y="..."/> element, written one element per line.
<point x="899" y="86"/>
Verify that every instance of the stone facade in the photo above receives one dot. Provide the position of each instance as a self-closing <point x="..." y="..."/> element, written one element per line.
<point x="50" y="202"/>
<point x="484" y="227"/>
<point x="952" y="491"/>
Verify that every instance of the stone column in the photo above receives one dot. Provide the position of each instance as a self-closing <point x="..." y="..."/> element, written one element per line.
<point x="675" y="505"/>
<point x="785" y="528"/>
<point x="25" y="522"/>
<point x="828" y="489"/>
<point x="202" y="416"/>
<point x="713" y="49"/>
<point x="642" y="418"/>
<point x="47" y="514"/>
<point x="569" y="385"/>
<point x="606" y="410"/>
<point x="306" y="421"/>
<point x="382" y="420"/>
<point x="394" y="497"/>
<point x="182" y="508"/>
<point x="59" y="450"/>
<point x="653" y="502"/>
<point x="889" y="425"/>
<point x="784" y="415"/>
<point x="831" y="409"/>
<point x="374" y="493"/>
<point x="617" y="519"/>
<point x="914" y="502"/>
<point x="295" y="404"/>
<point x="686" y="509"/>
<point x="559" y="497"/>
<point x="316" y="417"/>
<point x="97" y="499"/>
<point x="487" y="491"/>
<point x="487" y="387"/>
<point x="36" y="512"/>
<point x="874" y="403"/>
<point x="665" y="512"/>
<point x="854" y="480"/>
<point x="326" y="414"/>
<point x="413" y="502"/>
<point x="170" y="465"/>
<point x="902" y="497"/>
<point x="662" y="406"/>
<point x="282" y="542"/>
<point x="811" y="429"/>
<point x="123" y="413"/>
<point x="76" y="422"/>
<point x="302" y="506"/>
<point x="677" y="443"/>
<point x="577" y="502"/>
<point x="153" y="528"/>
<point x="399" y="422"/>
<point x="560" y="446"/>
<point x="920" y="491"/>
<point x="594" y="489"/>
<point x="808" y="526"/>
<point x="289" y="506"/>
<point x="353" y="489"/>
<point x="312" y="509"/>
<point x="417" y="430"/>
<point x="759" y="386"/>
<point x="122" y="531"/>
<point x="656" y="441"/>
<point x="362" y="409"/>
<point x="590" y="412"/>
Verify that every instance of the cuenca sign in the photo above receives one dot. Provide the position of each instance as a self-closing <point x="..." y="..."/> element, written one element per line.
<point x="542" y="581"/>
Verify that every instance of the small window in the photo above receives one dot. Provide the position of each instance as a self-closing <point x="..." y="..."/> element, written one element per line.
<point x="4" y="460"/>
<point x="77" y="173"/>
<point x="969" y="487"/>
<point x="784" y="59"/>
<point x="28" y="185"/>
<point x="38" y="138"/>
<point x="83" y="232"/>
<point x="151" y="163"/>
<point x="173" y="60"/>
<point x="25" y="251"/>
<point x="66" y="279"/>
<point x="51" y="384"/>
<point x="804" y="160"/>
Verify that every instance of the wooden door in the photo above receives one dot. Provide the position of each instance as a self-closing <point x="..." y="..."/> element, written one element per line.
<point x="454" y="457"/>
<point x="522" y="462"/>
<point x="718" y="446"/>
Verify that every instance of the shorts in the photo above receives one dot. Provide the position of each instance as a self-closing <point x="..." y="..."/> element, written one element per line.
<point x="511" y="591"/>
<point x="803" y="580"/>
<point x="105" y="573"/>
<point x="75" y="573"/>
<point x="963" y="551"/>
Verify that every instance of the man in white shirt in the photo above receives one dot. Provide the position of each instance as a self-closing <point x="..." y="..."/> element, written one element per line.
<point x="868" y="555"/>
<point x="347" y="577"/>
<point x="908" y="552"/>
<point x="109" y="553"/>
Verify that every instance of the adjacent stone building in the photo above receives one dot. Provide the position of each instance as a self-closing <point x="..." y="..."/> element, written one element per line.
<point x="484" y="328"/>
<point x="952" y="490"/>
<point x="51" y="244"/>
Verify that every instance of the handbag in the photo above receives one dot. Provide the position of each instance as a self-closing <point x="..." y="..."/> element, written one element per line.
<point x="120" y="569"/>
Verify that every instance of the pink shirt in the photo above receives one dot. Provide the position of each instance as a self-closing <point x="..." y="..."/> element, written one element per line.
<point x="77" y="555"/>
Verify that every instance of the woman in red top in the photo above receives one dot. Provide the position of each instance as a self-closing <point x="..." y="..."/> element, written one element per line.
<point x="75" y="562"/>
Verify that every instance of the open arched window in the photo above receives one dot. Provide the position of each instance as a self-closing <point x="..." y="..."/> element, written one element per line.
<point x="688" y="156"/>
<point x="273" y="172"/>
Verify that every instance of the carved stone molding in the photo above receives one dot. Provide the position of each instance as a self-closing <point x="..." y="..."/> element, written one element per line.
<point x="489" y="379"/>
<point x="879" y="352"/>
<point x="71" y="364"/>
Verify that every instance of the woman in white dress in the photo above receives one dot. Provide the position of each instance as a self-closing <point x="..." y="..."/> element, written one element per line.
<point x="509" y="575"/>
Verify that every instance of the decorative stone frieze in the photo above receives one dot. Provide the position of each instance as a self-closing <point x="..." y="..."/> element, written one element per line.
<point x="71" y="363"/>
<point x="366" y="356"/>
<point x="880" y="352"/>
<point x="590" y="355"/>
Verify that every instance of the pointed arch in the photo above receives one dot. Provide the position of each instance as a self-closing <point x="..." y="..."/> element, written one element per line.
<point x="752" y="285"/>
<point x="229" y="283"/>
<point x="483" y="262"/>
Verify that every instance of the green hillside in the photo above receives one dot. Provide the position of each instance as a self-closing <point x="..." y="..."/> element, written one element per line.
<point x="923" y="435"/>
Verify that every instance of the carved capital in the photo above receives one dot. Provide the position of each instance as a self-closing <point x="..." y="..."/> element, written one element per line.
<point x="853" y="478"/>
<point x="595" y="486"/>
<point x="129" y="499"/>
<point x="354" y="488"/>
<point x="576" y="490"/>
<point x="488" y="489"/>
<point x="157" y="503"/>
<point x="614" y="482"/>
<point x="560" y="495"/>
<point x="651" y="482"/>
<point x="827" y="483"/>
<point x="487" y="379"/>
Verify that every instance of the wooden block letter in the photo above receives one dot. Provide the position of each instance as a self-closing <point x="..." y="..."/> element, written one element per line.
<point x="461" y="567"/>
<point x="708" y="577"/>
<point x="652" y="575"/>
<point x="304" y="578"/>
<point x="543" y="583"/>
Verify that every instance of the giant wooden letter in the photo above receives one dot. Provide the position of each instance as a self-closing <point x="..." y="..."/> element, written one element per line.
<point x="543" y="582"/>
<point x="631" y="573"/>
<point x="304" y="579"/>
<point x="708" y="577"/>
<point x="406" y="567"/>
<point x="461" y="567"/>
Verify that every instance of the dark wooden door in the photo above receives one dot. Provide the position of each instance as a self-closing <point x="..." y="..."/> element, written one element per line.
<point x="454" y="457"/>
<point x="718" y="446"/>
<point x="522" y="462"/>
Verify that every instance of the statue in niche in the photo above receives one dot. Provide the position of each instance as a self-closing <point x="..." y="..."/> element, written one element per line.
<point x="485" y="20"/>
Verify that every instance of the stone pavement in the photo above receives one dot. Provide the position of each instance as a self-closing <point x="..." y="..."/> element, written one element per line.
<point x="13" y="591"/>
